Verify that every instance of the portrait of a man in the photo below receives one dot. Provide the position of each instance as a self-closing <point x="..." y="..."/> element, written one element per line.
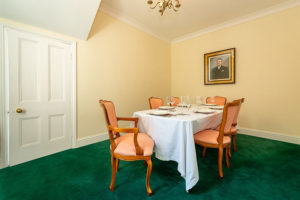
<point x="219" y="71"/>
<point x="219" y="67"/>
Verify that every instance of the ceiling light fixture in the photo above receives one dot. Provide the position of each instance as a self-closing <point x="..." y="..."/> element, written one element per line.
<point x="163" y="4"/>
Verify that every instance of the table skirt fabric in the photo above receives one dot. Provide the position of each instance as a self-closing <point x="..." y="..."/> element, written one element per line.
<point x="173" y="139"/>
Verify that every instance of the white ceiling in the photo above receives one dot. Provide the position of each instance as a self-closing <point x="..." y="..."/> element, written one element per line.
<point x="70" y="17"/>
<point x="194" y="17"/>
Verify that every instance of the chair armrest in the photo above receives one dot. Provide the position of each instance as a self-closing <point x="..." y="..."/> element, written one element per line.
<point x="123" y="130"/>
<point x="134" y="119"/>
<point x="138" y="149"/>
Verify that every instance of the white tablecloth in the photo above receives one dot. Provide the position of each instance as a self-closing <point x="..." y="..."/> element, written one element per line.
<point x="173" y="138"/>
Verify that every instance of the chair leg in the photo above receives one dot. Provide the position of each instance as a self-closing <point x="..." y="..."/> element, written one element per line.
<point x="234" y="144"/>
<point x="220" y="158"/>
<point x="149" y="169"/>
<point x="117" y="165"/>
<point x="229" y="152"/>
<point x="227" y="156"/>
<point x="145" y="163"/>
<point x="204" y="152"/>
<point x="113" y="176"/>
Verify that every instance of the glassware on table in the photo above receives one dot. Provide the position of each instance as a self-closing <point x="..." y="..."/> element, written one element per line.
<point x="182" y="101"/>
<point x="199" y="100"/>
<point x="168" y="100"/>
<point x="212" y="100"/>
<point x="187" y="100"/>
<point x="172" y="100"/>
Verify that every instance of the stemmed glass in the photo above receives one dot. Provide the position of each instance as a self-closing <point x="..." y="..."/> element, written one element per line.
<point x="182" y="104"/>
<point x="187" y="100"/>
<point x="212" y="100"/>
<point x="172" y="101"/>
<point x="182" y="101"/>
<point x="198" y="100"/>
<point x="169" y="101"/>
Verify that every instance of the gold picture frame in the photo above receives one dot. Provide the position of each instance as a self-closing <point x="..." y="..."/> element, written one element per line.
<point x="219" y="67"/>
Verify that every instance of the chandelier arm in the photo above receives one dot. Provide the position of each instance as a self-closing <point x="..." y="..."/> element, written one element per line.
<point x="163" y="4"/>
<point x="172" y="7"/>
<point x="155" y="6"/>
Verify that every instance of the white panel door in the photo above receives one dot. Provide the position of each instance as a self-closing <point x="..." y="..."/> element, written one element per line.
<point x="40" y="95"/>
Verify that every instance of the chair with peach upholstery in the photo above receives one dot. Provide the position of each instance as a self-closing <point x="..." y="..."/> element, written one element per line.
<point x="176" y="101"/>
<point x="219" y="139"/>
<point x="233" y="130"/>
<point x="155" y="102"/>
<point x="131" y="146"/>
<point x="220" y="101"/>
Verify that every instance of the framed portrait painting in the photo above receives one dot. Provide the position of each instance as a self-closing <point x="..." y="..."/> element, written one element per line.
<point x="219" y="67"/>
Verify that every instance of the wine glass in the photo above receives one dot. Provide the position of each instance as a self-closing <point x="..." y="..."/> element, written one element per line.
<point x="168" y="100"/>
<point x="212" y="100"/>
<point x="172" y="100"/>
<point x="198" y="100"/>
<point x="182" y="100"/>
<point x="187" y="100"/>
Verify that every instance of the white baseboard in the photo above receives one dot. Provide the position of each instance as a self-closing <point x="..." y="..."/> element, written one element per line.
<point x="269" y="135"/>
<point x="91" y="139"/>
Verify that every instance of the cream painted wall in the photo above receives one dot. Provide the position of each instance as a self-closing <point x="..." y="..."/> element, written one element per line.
<point x="122" y="64"/>
<point x="118" y="63"/>
<point x="267" y="70"/>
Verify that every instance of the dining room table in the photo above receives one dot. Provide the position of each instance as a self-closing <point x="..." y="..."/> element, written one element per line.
<point x="172" y="131"/>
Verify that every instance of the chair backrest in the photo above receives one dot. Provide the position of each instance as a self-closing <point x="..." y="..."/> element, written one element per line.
<point x="238" y="111"/>
<point x="176" y="101"/>
<point x="220" y="101"/>
<point x="155" y="102"/>
<point x="109" y="113"/>
<point x="229" y="112"/>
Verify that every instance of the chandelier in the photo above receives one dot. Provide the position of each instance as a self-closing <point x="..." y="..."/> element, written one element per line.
<point x="163" y="4"/>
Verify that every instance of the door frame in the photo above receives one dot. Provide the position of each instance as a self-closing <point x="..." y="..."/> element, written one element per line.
<point x="4" y="91"/>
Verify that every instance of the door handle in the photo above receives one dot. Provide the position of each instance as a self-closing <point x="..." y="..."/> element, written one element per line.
<point x="19" y="110"/>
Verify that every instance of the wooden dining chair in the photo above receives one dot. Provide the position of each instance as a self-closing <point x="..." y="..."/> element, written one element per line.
<point x="131" y="146"/>
<point x="218" y="139"/>
<point x="155" y="102"/>
<point x="176" y="101"/>
<point x="233" y="130"/>
<point x="220" y="101"/>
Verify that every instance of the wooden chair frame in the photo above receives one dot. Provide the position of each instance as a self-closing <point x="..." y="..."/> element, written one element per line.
<point x="154" y="98"/>
<point x="115" y="131"/>
<point x="220" y="144"/>
<point x="234" y="124"/>
<point x="216" y="97"/>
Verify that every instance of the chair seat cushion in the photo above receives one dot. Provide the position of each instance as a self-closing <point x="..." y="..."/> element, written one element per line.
<point x="125" y="144"/>
<point x="232" y="129"/>
<point x="210" y="137"/>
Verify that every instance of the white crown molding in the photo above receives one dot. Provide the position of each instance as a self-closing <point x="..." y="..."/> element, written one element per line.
<point x="131" y="21"/>
<point x="269" y="135"/>
<point x="135" y="23"/>
<point x="240" y="20"/>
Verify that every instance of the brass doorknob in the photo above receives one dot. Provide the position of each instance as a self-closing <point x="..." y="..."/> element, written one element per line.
<point x="19" y="110"/>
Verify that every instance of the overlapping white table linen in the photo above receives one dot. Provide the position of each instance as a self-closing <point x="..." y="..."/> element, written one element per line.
<point x="173" y="138"/>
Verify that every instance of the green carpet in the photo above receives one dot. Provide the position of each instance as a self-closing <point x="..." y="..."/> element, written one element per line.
<point x="261" y="169"/>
